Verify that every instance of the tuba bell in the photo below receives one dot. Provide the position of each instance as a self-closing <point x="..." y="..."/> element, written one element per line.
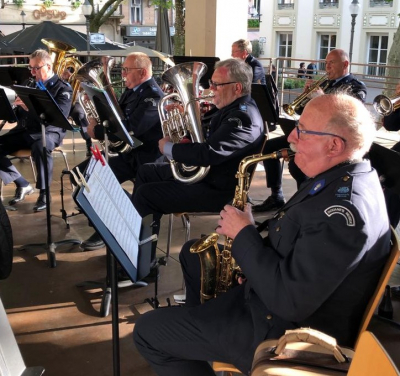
<point x="58" y="50"/>
<point x="219" y="270"/>
<point x="185" y="79"/>
<point x="98" y="72"/>
<point x="385" y="106"/>
<point x="304" y="98"/>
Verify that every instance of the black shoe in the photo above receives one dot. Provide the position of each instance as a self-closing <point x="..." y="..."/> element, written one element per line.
<point x="271" y="203"/>
<point x="40" y="203"/>
<point x="20" y="194"/>
<point x="93" y="243"/>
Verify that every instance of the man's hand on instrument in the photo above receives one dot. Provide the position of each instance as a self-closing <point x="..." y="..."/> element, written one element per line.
<point x="90" y="129"/>
<point x="162" y="142"/>
<point x="18" y="102"/>
<point x="233" y="220"/>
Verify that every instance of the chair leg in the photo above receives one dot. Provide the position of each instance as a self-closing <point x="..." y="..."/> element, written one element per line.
<point x="33" y="168"/>
<point x="169" y="237"/>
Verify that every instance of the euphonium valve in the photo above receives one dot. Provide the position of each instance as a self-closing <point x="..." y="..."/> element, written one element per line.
<point x="384" y="105"/>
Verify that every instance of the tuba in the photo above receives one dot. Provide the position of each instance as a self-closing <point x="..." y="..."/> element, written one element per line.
<point x="385" y="106"/>
<point x="185" y="79"/>
<point x="303" y="98"/>
<point x="219" y="270"/>
<point x="57" y="51"/>
<point x="98" y="72"/>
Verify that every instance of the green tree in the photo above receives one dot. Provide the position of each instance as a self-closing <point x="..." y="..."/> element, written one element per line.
<point x="100" y="16"/>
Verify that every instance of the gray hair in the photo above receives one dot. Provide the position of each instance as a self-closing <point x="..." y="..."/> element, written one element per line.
<point x="239" y="71"/>
<point x="244" y="45"/>
<point x="351" y="120"/>
<point x="42" y="55"/>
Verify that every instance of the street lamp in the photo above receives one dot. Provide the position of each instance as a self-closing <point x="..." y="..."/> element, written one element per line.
<point x="22" y="14"/>
<point x="87" y="11"/>
<point x="354" y="9"/>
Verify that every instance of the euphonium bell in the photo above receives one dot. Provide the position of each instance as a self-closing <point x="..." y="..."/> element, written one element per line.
<point x="384" y="105"/>
<point x="185" y="79"/>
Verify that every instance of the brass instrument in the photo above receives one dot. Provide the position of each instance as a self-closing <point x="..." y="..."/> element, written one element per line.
<point x="219" y="270"/>
<point x="97" y="72"/>
<point x="304" y="98"/>
<point x="57" y="51"/>
<point x="384" y="105"/>
<point x="185" y="79"/>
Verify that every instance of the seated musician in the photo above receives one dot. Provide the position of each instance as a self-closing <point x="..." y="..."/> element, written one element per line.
<point x="340" y="79"/>
<point x="392" y="123"/>
<point x="317" y="268"/>
<point x="139" y="104"/>
<point x="28" y="134"/>
<point x="235" y="131"/>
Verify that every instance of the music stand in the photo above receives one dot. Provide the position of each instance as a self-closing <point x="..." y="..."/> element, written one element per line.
<point x="209" y="61"/>
<point x="265" y="98"/>
<point x="14" y="75"/>
<point x="120" y="226"/>
<point x="112" y="118"/>
<point x="46" y="111"/>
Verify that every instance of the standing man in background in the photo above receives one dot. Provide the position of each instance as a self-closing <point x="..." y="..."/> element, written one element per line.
<point x="241" y="49"/>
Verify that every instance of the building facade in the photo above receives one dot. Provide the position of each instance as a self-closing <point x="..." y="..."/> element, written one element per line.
<point x="308" y="29"/>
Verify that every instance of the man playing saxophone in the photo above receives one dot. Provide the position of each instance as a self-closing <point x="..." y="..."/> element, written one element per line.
<point x="233" y="130"/>
<point x="139" y="105"/>
<point x="317" y="267"/>
<point x="27" y="134"/>
<point x="339" y="79"/>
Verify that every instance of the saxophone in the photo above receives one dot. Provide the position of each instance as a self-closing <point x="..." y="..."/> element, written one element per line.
<point x="219" y="270"/>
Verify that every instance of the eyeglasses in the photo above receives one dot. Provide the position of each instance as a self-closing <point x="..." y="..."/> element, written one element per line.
<point x="302" y="131"/>
<point x="126" y="69"/>
<point x="35" y="69"/>
<point x="214" y="84"/>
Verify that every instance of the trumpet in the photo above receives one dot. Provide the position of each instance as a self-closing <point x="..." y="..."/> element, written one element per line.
<point x="384" y="105"/>
<point x="304" y="98"/>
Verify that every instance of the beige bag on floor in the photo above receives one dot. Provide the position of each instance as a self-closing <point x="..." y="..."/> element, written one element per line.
<point x="301" y="352"/>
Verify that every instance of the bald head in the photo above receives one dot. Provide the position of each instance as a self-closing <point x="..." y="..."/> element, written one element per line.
<point x="337" y="64"/>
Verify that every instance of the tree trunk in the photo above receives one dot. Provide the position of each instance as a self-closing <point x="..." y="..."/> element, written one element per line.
<point x="179" y="38"/>
<point x="393" y="59"/>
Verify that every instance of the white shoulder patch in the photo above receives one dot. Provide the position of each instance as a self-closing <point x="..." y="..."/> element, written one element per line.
<point x="151" y="100"/>
<point x="238" y="121"/>
<point x="343" y="211"/>
<point x="66" y="94"/>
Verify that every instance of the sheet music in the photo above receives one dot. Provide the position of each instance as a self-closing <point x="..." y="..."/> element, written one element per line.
<point x="114" y="208"/>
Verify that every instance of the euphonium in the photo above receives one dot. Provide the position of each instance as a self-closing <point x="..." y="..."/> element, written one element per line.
<point x="185" y="79"/>
<point x="219" y="270"/>
<point x="385" y="106"/>
<point x="57" y="51"/>
<point x="98" y="72"/>
<point x="304" y="98"/>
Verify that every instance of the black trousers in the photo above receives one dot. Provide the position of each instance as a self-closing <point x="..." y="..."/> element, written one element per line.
<point x="157" y="192"/>
<point x="273" y="167"/>
<point x="14" y="141"/>
<point x="179" y="341"/>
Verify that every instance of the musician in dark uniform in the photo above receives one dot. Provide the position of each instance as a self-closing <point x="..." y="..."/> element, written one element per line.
<point x="318" y="266"/>
<point x="392" y="123"/>
<point x="242" y="49"/>
<point x="235" y="131"/>
<point x="139" y="104"/>
<point x="27" y="134"/>
<point x="340" y="79"/>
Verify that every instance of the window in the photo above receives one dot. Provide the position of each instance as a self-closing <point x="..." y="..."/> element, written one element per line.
<point x="285" y="48"/>
<point x="136" y="11"/>
<point x="328" y="4"/>
<point x="378" y="51"/>
<point x="380" y="3"/>
<point x="327" y="43"/>
<point x="285" y="4"/>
